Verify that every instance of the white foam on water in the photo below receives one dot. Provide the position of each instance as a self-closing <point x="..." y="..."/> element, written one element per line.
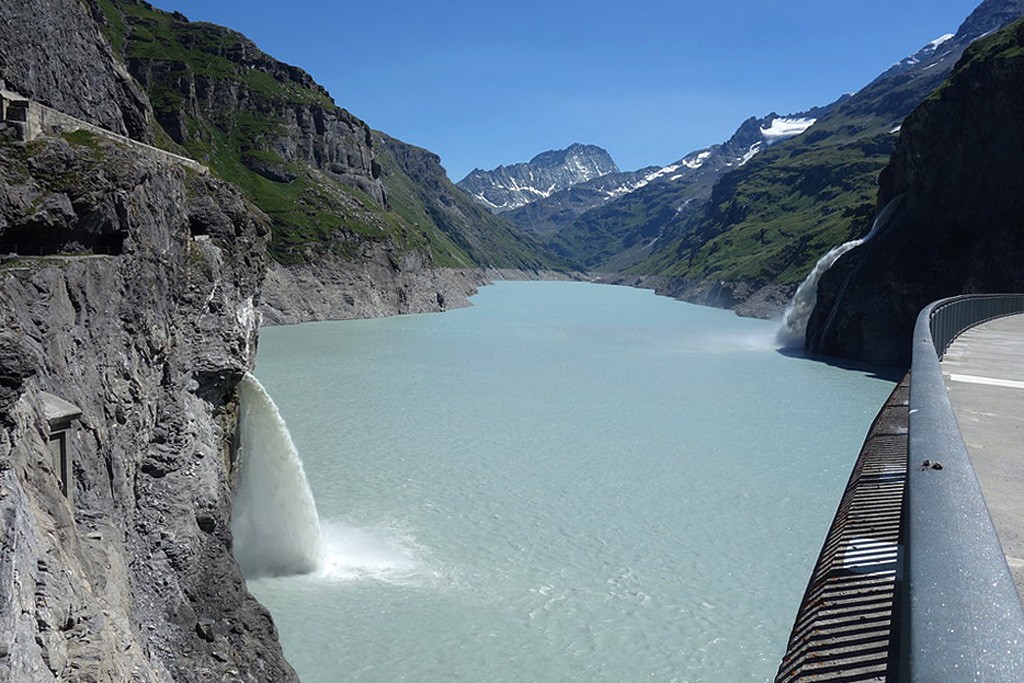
<point x="353" y="554"/>
<point x="275" y="525"/>
<point x="732" y="342"/>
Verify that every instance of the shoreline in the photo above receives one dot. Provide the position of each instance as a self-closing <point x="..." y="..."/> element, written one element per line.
<point x="386" y="285"/>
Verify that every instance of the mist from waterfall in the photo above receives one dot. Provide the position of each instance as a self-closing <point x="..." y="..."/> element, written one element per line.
<point x="275" y="524"/>
<point x="793" y="330"/>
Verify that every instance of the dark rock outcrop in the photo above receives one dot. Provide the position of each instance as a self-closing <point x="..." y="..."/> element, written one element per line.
<point x="960" y="226"/>
<point x="52" y="52"/>
<point x="132" y="578"/>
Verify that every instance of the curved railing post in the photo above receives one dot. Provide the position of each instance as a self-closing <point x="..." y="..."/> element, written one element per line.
<point x="962" y="618"/>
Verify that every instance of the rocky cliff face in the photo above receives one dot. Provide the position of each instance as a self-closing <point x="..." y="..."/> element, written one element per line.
<point x="132" y="578"/>
<point x="341" y="197"/>
<point x="292" y="118"/>
<point x="81" y="78"/>
<point x="383" y="283"/>
<point x="133" y="295"/>
<point x="215" y="94"/>
<point x="508" y="187"/>
<point x="960" y="225"/>
<point x="375" y="278"/>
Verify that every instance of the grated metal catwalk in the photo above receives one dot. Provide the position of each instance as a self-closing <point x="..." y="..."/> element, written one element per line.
<point x="846" y="628"/>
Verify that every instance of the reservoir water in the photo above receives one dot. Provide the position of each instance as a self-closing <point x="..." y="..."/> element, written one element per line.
<point x="565" y="482"/>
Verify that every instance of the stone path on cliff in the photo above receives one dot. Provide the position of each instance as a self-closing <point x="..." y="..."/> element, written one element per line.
<point x="33" y="118"/>
<point x="984" y="373"/>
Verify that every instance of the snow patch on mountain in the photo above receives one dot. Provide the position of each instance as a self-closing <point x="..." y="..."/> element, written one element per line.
<point x="927" y="52"/>
<point x="695" y="161"/>
<point x="751" y="153"/>
<point x="783" y="128"/>
<point x="940" y="40"/>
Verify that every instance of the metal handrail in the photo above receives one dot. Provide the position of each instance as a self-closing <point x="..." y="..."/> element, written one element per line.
<point x="962" y="619"/>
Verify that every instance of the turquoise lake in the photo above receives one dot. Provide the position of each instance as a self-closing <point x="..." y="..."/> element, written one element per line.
<point x="564" y="482"/>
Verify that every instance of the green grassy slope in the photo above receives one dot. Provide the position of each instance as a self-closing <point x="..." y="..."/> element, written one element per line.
<point x="769" y="221"/>
<point x="260" y="124"/>
<point x="772" y="219"/>
<point x="420" y="191"/>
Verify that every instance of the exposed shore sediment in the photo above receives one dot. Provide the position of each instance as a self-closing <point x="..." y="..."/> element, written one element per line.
<point x="747" y="299"/>
<point x="384" y="285"/>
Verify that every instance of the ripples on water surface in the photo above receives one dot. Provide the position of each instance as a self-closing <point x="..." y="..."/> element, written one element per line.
<point x="564" y="482"/>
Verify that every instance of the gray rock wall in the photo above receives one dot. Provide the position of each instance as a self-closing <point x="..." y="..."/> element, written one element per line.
<point x="135" y="580"/>
<point x="382" y="283"/>
<point x="300" y="130"/>
<point x="52" y="51"/>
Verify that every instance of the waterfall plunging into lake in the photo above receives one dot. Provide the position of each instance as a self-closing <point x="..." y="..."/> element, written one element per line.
<point x="275" y="525"/>
<point x="793" y="330"/>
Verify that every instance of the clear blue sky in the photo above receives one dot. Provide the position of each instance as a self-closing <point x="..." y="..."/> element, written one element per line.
<point x="485" y="83"/>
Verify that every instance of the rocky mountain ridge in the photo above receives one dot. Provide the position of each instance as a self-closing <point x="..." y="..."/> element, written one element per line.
<point x="508" y="187"/>
<point x="744" y="235"/>
<point x="270" y="129"/>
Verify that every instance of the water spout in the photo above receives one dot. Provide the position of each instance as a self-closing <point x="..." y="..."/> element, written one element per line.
<point x="275" y="524"/>
<point x="793" y="329"/>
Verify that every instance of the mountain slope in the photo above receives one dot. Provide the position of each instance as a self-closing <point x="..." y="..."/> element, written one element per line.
<point x="546" y="216"/>
<point x="620" y="232"/>
<point x="960" y="225"/>
<point x="768" y="222"/>
<point x="272" y="130"/>
<point x="419" y="190"/>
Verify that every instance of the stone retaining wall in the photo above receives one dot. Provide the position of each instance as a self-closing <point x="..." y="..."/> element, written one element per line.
<point x="33" y="119"/>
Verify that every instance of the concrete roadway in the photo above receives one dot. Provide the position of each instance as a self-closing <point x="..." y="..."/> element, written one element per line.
<point x="984" y="373"/>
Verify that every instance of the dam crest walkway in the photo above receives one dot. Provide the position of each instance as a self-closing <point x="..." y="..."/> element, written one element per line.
<point x="984" y="374"/>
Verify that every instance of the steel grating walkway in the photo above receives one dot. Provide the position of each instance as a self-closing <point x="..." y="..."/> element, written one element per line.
<point x="846" y="628"/>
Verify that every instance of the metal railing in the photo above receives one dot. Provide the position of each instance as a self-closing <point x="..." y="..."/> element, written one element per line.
<point x="962" y="619"/>
<point x="948" y="318"/>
